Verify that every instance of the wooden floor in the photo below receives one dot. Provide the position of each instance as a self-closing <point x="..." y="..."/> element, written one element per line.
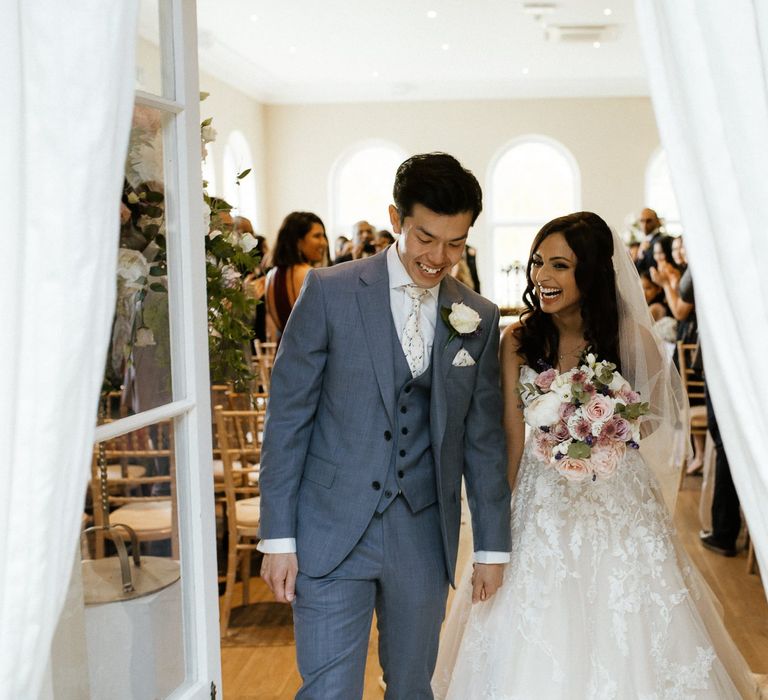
<point x="263" y="667"/>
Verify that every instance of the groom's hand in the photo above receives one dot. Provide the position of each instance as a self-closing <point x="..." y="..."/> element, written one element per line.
<point x="486" y="580"/>
<point x="279" y="572"/>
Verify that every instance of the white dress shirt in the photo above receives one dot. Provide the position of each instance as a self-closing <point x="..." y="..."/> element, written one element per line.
<point x="400" y="304"/>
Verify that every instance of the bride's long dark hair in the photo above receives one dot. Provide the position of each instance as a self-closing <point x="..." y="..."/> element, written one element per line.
<point x="589" y="237"/>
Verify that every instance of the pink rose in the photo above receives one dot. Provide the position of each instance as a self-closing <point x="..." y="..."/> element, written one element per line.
<point x="617" y="428"/>
<point x="573" y="469"/>
<point x="560" y="432"/>
<point x="628" y="395"/>
<point x="566" y="410"/>
<point x="545" y="379"/>
<point x="606" y="457"/>
<point x="543" y="444"/>
<point x="600" y="407"/>
<point x="590" y="389"/>
<point x="579" y="427"/>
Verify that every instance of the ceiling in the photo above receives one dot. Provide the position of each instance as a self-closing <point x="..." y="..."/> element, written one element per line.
<point x="294" y="51"/>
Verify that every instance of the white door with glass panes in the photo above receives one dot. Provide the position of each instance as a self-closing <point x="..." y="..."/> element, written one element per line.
<point x="156" y="399"/>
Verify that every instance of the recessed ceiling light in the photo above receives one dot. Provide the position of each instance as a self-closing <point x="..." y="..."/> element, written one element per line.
<point x="292" y="49"/>
<point x="375" y="74"/>
<point x="607" y="11"/>
<point x="254" y="18"/>
<point x="431" y="14"/>
<point x="596" y="44"/>
<point x="525" y="71"/>
<point x="445" y="47"/>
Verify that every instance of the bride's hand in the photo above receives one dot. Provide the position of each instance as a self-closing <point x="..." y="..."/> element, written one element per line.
<point x="486" y="580"/>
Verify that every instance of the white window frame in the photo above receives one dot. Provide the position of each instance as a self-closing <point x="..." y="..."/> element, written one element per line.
<point x="334" y="225"/>
<point x="190" y="408"/>
<point x="487" y="262"/>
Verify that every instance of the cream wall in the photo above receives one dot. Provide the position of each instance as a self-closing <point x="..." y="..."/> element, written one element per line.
<point x="612" y="139"/>
<point x="233" y="110"/>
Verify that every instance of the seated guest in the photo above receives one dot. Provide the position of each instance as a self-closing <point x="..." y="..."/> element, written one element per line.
<point x="678" y="291"/>
<point x="341" y="247"/>
<point x="300" y="245"/>
<point x="662" y="253"/>
<point x="654" y="296"/>
<point x="383" y="240"/>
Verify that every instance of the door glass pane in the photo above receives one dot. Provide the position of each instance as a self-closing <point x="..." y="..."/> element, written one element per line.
<point x="511" y="247"/>
<point x="150" y="74"/>
<point x="138" y="363"/>
<point x="133" y="613"/>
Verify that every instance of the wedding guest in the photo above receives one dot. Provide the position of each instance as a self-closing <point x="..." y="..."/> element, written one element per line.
<point x="362" y="243"/>
<point x="662" y="253"/>
<point x="470" y="255"/>
<point x="651" y="225"/>
<point x="301" y="243"/>
<point x="383" y="240"/>
<point x="726" y="509"/>
<point x="678" y="292"/>
<point x="255" y="282"/>
<point x="654" y="296"/>
<point x="341" y="247"/>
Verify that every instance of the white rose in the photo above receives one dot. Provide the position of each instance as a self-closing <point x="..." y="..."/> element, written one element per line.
<point x="214" y="234"/>
<point x="247" y="242"/>
<point x="597" y="428"/>
<point x="206" y="217"/>
<point x="463" y="319"/>
<point x="543" y="411"/>
<point x="230" y="275"/>
<point x="131" y="266"/>
<point x="144" y="338"/>
<point x="618" y="383"/>
<point x="562" y="388"/>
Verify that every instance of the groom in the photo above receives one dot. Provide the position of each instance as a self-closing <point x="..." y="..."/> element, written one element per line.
<point x="378" y="407"/>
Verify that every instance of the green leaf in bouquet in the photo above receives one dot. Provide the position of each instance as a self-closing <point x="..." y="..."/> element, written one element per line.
<point x="204" y="95"/>
<point x="155" y="197"/>
<point x="243" y="174"/>
<point x="151" y="230"/>
<point x="156" y="271"/>
<point x="153" y="212"/>
<point x="206" y="122"/>
<point x="579" y="450"/>
<point x="157" y="287"/>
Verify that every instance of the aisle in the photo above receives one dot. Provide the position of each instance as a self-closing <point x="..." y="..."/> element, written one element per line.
<point x="268" y="671"/>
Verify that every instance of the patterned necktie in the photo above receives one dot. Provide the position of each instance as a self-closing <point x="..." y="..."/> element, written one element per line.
<point x="413" y="341"/>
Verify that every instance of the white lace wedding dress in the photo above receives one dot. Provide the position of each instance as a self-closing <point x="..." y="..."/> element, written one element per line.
<point x="599" y="602"/>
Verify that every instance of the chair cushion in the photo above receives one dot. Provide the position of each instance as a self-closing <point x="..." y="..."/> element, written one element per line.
<point x="698" y="416"/>
<point x="151" y="520"/>
<point x="247" y="510"/>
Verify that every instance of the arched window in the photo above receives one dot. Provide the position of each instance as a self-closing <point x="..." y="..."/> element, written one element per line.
<point x="532" y="180"/>
<point x="659" y="194"/>
<point x="240" y="194"/>
<point x="209" y="171"/>
<point x="361" y="186"/>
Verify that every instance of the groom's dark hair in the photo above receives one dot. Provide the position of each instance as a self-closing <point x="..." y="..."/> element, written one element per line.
<point x="438" y="182"/>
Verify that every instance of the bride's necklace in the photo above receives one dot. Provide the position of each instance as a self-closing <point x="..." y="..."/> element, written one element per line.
<point x="574" y="352"/>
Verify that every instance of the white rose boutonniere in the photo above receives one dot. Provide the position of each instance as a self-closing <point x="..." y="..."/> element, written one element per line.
<point x="460" y="319"/>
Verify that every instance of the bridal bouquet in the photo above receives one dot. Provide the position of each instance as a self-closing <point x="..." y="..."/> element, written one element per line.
<point x="584" y="418"/>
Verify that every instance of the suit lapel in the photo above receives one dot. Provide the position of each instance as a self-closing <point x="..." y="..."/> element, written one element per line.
<point x="442" y="356"/>
<point x="376" y="317"/>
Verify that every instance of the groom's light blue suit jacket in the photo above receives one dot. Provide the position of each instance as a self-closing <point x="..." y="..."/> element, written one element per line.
<point x="333" y="401"/>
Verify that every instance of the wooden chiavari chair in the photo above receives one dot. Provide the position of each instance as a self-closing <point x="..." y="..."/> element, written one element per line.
<point x="694" y="389"/>
<point x="240" y="447"/>
<point x="263" y="360"/>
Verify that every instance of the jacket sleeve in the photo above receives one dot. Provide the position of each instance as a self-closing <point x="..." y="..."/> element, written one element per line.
<point x="485" y="454"/>
<point x="297" y="378"/>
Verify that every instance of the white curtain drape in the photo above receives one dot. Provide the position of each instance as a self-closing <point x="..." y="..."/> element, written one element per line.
<point x="707" y="64"/>
<point x="66" y="71"/>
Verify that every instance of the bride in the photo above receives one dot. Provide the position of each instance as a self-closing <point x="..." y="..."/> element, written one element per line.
<point x="599" y="599"/>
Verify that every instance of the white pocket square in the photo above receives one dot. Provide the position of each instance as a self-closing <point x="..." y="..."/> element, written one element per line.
<point x="463" y="359"/>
